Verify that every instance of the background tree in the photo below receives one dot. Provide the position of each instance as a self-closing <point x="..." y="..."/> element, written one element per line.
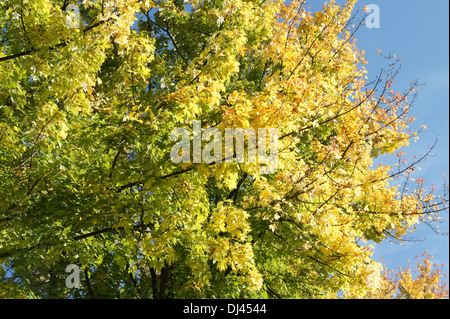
<point x="85" y="171"/>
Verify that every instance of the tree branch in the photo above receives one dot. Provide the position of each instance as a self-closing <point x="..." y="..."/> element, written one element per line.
<point x="59" y="45"/>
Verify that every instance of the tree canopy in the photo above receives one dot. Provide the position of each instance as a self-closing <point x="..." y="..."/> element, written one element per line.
<point x="86" y="176"/>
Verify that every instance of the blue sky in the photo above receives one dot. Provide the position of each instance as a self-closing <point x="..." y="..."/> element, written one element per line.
<point x="416" y="31"/>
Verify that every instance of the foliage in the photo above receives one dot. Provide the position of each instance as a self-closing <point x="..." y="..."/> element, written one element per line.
<point x="85" y="172"/>
<point x="426" y="281"/>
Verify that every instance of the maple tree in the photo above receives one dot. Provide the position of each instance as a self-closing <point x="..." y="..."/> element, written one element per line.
<point x="86" y="178"/>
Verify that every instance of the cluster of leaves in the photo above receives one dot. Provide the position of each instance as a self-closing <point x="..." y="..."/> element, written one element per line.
<point x="426" y="281"/>
<point x="85" y="171"/>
